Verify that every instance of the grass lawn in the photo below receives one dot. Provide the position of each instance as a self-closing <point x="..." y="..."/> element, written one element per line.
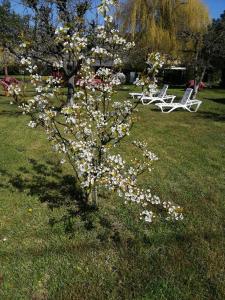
<point x="109" y="254"/>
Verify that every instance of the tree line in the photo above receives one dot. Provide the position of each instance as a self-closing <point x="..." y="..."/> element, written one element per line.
<point x="181" y="28"/>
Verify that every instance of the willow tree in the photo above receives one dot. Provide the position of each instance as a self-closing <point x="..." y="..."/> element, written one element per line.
<point x="158" y="25"/>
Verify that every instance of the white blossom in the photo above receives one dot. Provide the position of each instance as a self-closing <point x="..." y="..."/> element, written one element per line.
<point x="32" y="124"/>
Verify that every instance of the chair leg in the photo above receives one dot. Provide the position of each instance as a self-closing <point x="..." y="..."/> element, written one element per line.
<point x="197" y="107"/>
<point x="169" y="111"/>
<point x="188" y="109"/>
<point x="144" y="103"/>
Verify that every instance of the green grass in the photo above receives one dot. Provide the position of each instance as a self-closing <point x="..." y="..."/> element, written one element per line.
<point x="109" y="254"/>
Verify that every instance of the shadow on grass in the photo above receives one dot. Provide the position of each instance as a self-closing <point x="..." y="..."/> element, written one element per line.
<point x="144" y="260"/>
<point x="11" y="113"/>
<point x="138" y="270"/>
<point x="50" y="185"/>
<point x="155" y="109"/>
<point x="47" y="182"/>
<point x="211" y="116"/>
<point x="217" y="100"/>
<point x="199" y="114"/>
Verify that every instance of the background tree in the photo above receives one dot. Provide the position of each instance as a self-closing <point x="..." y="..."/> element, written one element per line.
<point x="215" y="46"/>
<point x="47" y="16"/>
<point x="38" y="36"/>
<point x="12" y="26"/>
<point x="208" y="51"/>
<point x="157" y="25"/>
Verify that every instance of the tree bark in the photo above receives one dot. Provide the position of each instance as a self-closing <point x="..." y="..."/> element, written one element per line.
<point x="6" y="70"/>
<point x="196" y="87"/>
<point x="71" y="69"/>
<point x="5" y="55"/>
<point x="222" y="83"/>
<point x="70" y="90"/>
<point x="93" y="196"/>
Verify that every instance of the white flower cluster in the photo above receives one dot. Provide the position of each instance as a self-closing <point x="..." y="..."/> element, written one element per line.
<point x="121" y="130"/>
<point x="146" y="153"/>
<point x="105" y="5"/>
<point x="74" y="43"/>
<point x="14" y="89"/>
<point x="23" y="45"/>
<point x="100" y="52"/>
<point x="148" y="80"/>
<point x="121" y="77"/>
<point x="148" y="216"/>
<point x="155" y="60"/>
<point x="108" y="38"/>
<point x="175" y="212"/>
<point x="83" y="134"/>
<point x="104" y="73"/>
<point x="32" y="124"/>
<point x="58" y="64"/>
<point x="139" y="82"/>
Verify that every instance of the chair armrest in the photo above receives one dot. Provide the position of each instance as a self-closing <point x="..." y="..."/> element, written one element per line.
<point x="194" y="101"/>
<point x="146" y="98"/>
<point x="135" y="95"/>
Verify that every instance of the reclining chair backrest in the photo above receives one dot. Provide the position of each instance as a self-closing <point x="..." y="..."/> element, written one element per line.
<point x="163" y="91"/>
<point x="187" y="95"/>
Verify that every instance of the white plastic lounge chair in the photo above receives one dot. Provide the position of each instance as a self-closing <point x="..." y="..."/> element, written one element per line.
<point x="136" y="95"/>
<point x="160" y="97"/>
<point x="139" y="95"/>
<point x="185" y="103"/>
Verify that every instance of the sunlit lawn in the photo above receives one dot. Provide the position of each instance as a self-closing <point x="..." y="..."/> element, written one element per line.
<point x="109" y="254"/>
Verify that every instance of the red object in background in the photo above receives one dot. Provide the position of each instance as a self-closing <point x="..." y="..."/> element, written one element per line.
<point x="94" y="82"/>
<point x="191" y="84"/>
<point x="10" y="80"/>
<point x="7" y="81"/>
<point x="57" y="74"/>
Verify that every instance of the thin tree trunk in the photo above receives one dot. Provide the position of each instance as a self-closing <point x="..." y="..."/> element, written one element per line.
<point x="195" y="83"/>
<point x="71" y="69"/>
<point x="196" y="69"/>
<point x="6" y="70"/>
<point x="196" y="87"/>
<point x="222" y="83"/>
<point x="70" y="90"/>
<point x="5" y="56"/>
<point x="93" y="196"/>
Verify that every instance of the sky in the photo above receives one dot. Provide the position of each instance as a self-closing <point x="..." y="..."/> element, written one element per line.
<point x="216" y="7"/>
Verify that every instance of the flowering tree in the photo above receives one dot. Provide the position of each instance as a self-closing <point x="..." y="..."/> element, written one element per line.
<point x="86" y="133"/>
<point x="148" y="80"/>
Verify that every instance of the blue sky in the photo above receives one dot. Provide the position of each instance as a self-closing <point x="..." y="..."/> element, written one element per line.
<point x="216" y="7"/>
